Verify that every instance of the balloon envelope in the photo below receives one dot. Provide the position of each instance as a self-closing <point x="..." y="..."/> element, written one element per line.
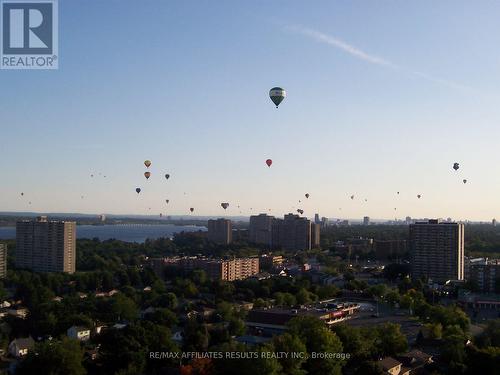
<point x="138" y="190"/>
<point x="191" y="209"/>
<point x="147" y="174"/>
<point x="269" y="162"/>
<point x="456" y="166"/>
<point x="277" y="94"/>
<point x="147" y="163"/>
<point x="307" y="195"/>
<point x="224" y="205"/>
<point x="465" y="181"/>
<point x="167" y="176"/>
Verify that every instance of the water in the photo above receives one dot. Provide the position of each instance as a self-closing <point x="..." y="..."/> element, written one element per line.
<point x="125" y="232"/>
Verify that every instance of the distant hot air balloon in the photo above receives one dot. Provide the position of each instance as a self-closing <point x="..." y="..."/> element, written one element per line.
<point x="161" y="215"/>
<point x="269" y="162"/>
<point x="307" y="195"/>
<point x="91" y="175"/>
<point x="277" y="94"/>
<point x="352" y="196"/>
<point x="191" y="209"/>
<point x="464" y="180"/>
<point x="138" y="190"/>
<point x="167" y="200"/>
<point x="418" y="196"/>
<point x="366" y="200"/>
<point x="147" y="163"/>
<point x="29" y="202"/>
<point x="147" y="174"/>
<point x="398" y="192"/>
<point x="456" y="166"/>
<point x="167" y="176"/>
<point x="395" y="208"/>
<point x="82" y="196"/>
<point x="300" y="211"/>
<point x="224" y="205"/>
<point x="22" y="194"/>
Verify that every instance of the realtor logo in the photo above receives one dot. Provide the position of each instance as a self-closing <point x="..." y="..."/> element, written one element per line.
<point x="29" y="34"/>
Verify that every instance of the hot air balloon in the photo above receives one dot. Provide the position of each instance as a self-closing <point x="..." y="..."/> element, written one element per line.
<point x="29" y="202"/>
<point x="167" y="200"/>
<point x="398" y="192"/>
<point x="191" y="209"/>
<point x="277" y="94"/>
<point x="224" y="205"/>
<point x="300" y="211"/>
<point x="138" y="190"/>
<point x="161" y="215"/>
<point x="464" y="180"/>
<point x="147" y="174"/>
<point x="167" y="176"/>
<point x="366" y="200"/>
<point x="91" y="175"/>
<point x="22" y="194"/>
<point x="418" y="196"/>
<point x="307" y="195"/>
<point x="352" y="196"/>
<point x="269" y="162"/>
<point x="456" y="166"/>
<point x="394" y="208"/>
<point x="147" y="163"/>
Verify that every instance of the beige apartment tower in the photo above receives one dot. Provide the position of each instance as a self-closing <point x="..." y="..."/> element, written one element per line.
<point x="46" y="246"/>
<point x="437" y="250"/>
<point x="220" y="231"/>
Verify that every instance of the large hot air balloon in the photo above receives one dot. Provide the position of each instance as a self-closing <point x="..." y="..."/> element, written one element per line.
<point x="456" y="166"/>
<point x="269" y="162"/>
<point x="138" y="190"/>
<point x="167" y="176"/>
<point x="191" y="209"/>
<point x="464" y="180"/>
<point x="307" y="195"/>
<point x="147" y="163"/>
<point x="147" y="174"/>
<point x="277" y="94"/>
<point x="224" y="205"/>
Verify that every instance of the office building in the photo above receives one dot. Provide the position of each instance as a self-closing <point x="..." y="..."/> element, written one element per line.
<point x="46" y="246"/>
<point x="260" y="229"/>
<point x="220" y="231"/>
<point x="486" y="276"/>
<point x="291" y="233"/>
<point x="3" y="260"/>
<point x="366" y="220"/>
<point x="317" y="220"/>
<point x="437" y="250"/>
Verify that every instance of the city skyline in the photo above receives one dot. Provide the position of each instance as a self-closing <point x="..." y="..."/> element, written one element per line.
<point x="368" y="112"/>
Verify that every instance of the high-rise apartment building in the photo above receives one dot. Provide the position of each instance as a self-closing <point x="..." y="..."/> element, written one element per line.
<point x="437" y="250"/>
<point x="3" y="260"/>
<point x="220" y="231"/>
<point x="315" y="235"/>
<point x="293" y="232"/>
<point x="486" y="276"/>
<point x="46" y="246"/>
<point x="260" y="229"/>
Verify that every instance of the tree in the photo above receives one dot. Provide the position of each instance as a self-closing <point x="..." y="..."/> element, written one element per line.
<point x="391" y="339"/>
<point x="288" y="343"/>
<point x="317" y="338"/>
<point x="54" y="358"/>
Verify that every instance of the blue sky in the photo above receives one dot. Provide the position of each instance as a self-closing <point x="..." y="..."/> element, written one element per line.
<point x="382" y="97"/>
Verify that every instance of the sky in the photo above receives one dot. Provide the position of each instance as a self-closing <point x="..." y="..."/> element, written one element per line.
<point x="381" y="97"/>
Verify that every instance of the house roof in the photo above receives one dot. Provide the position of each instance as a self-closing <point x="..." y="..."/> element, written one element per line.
<point x="388" y="363"/>
<point x="24" y="342"/>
